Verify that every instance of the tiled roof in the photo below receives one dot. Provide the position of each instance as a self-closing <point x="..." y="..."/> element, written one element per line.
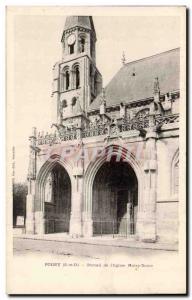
<point x="135" y="80"/>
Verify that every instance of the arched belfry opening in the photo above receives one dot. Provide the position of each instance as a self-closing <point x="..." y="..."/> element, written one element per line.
<point x="115" y="199"/>
<point x="57" y="201"/>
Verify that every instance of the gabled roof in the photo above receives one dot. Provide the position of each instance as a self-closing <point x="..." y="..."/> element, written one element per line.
<point x="135" y="80"/>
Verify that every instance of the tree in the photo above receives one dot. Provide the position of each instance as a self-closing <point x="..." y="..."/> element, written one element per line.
<point x="19" y="200"/>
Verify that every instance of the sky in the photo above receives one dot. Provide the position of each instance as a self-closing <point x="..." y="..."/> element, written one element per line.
<point x="36" y="46"/>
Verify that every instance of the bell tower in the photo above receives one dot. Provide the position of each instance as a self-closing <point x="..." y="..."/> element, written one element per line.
<point x="77" y="81"/>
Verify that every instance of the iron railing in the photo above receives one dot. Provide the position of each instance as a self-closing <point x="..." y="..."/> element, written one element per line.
<point x="114" y="228"/>
<point x="56" y="225"/>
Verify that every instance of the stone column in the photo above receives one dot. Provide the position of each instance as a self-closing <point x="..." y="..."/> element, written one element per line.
<point x="76" y="203"/>
<point x="87" y="224"/>
<point x="40" y="222"/>
<point x="30" y="217"/>
<point x="146" y="225"/>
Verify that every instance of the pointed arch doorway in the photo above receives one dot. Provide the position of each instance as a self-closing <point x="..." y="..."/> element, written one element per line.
<point x="57" y="200"/>
<point x="115" y="199"/>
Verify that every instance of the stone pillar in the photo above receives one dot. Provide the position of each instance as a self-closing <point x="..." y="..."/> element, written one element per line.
<point x="146" y="224"/>
<point x="40" y="222"/>
<point x="77" y="202"/>
<point x="30" y="217"/>
<point x="87" y="224"/>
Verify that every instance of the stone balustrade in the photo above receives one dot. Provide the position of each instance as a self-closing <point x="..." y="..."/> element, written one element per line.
<point x="68" y="134"/>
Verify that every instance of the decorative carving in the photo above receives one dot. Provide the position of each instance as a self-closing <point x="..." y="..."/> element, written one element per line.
<point x="122" y="110"/>
<point x="114" y="130"/>
<point x="156" y="88"/>
<point x="123" y="58"/>
<point x="161" y="120"/>
<point x="97" y="127"/>
<point x="142" y="114"/>
<point x="167" y="104"/>
<point x="48" y="189"/>
<point x="32" y="156"/>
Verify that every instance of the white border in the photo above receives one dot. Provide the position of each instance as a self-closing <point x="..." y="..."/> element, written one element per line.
<point x="3" y="5"/>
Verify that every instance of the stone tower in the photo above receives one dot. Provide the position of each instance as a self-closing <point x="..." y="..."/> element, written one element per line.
<point x="77" y="81"/>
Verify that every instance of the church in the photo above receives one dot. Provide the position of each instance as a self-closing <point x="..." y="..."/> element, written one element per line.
<point x="109" y="167"/>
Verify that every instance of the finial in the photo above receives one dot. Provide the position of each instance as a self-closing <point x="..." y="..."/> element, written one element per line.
<point x="156" y="88"/>
<point x="103" y="93"/>
<point x="102" y="98"/>
<point x="34" y="131"/>
<point x="123" y="58"/>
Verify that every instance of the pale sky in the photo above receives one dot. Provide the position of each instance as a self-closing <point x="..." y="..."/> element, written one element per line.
<point x="37" y="47"/>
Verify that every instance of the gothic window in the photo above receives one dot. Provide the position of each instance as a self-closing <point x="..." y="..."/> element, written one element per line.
<point x="82" y="45"/>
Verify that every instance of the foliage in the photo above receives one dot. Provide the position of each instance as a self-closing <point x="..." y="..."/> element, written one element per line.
<point x="19" y="200"/>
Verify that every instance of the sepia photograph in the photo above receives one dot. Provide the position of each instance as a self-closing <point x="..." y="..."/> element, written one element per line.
<point x="96" y="140"/>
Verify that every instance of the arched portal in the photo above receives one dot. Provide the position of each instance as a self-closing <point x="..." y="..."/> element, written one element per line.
<point x="57" y="200"/>
<point x="115" y="199"/>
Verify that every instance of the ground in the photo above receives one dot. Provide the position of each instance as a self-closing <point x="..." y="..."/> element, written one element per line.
<point x="50" y="265"/>
<point x="82" y="250"/>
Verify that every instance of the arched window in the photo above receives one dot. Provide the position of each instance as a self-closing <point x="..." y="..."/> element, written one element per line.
<point x="71" y="49"/>
<point x="76" y="76"/>
<point x="74" y="100"/>
<point x="67" y="80"/>
<point x="64" y="103"/>
<point x="82" y="45"/>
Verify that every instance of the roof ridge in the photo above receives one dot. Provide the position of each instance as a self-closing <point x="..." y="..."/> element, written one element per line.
<point x="153" y="55"/>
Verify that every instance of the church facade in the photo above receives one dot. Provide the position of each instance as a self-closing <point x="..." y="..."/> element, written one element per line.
<point x="110" y="164"/>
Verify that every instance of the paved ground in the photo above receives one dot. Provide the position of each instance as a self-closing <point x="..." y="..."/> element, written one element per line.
<point x="26" y="247"/>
